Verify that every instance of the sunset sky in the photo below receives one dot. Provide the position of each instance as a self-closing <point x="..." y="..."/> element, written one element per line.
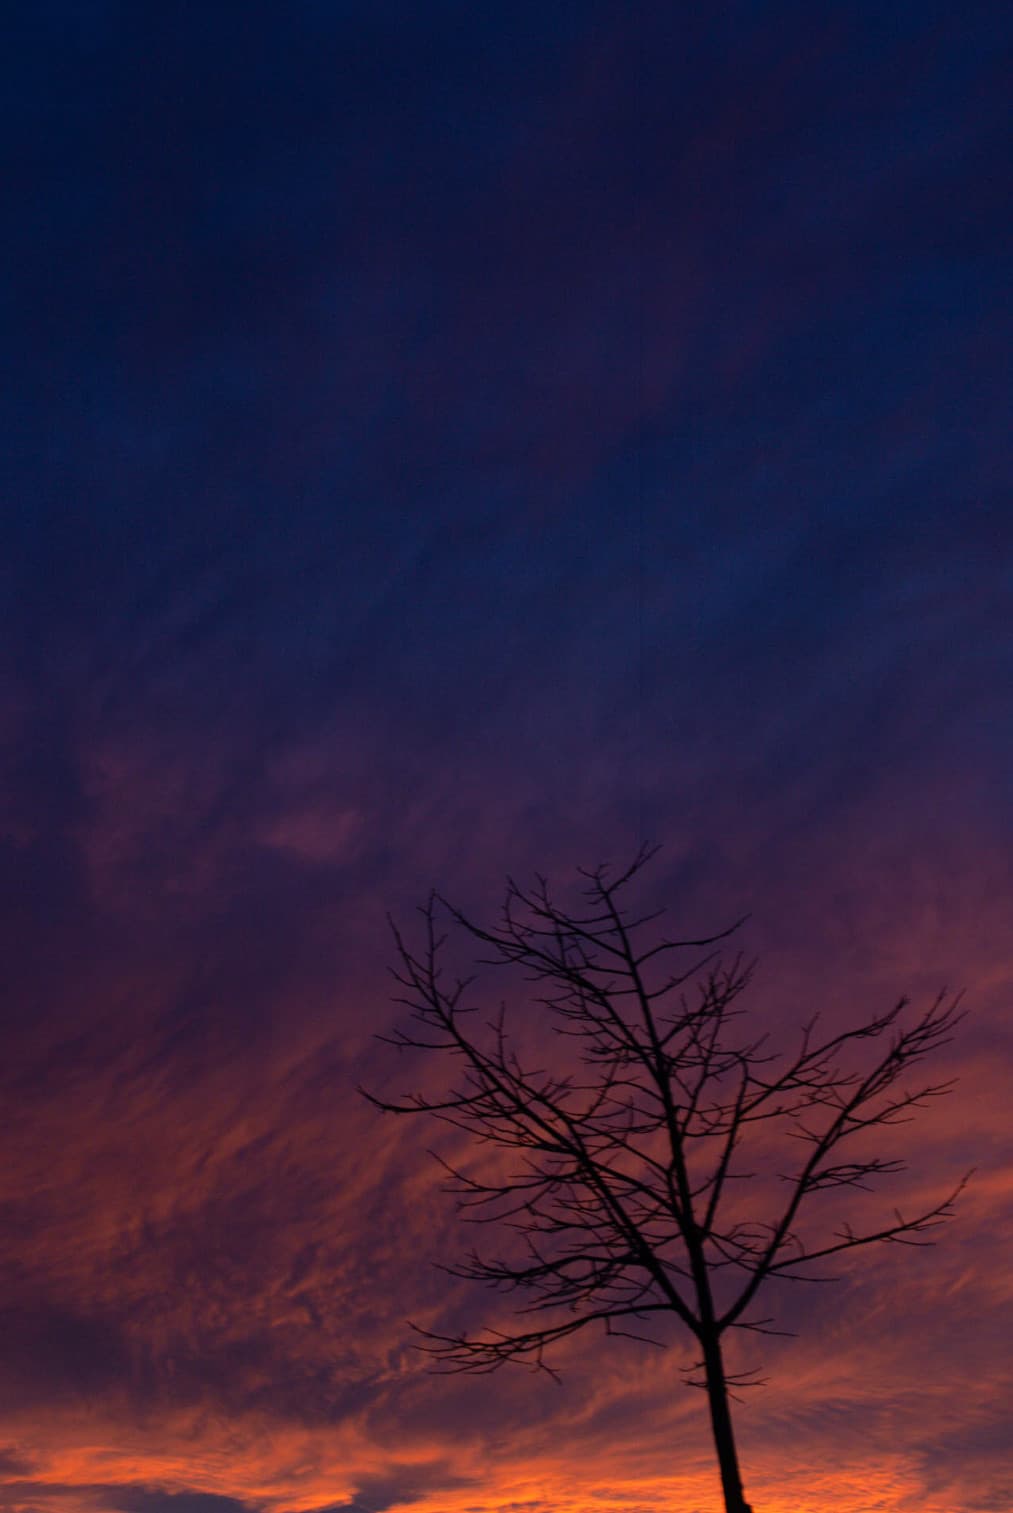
<point x="445" y="441"/>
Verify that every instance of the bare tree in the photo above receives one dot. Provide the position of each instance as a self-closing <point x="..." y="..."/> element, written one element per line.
<point x="622" y="1199"/>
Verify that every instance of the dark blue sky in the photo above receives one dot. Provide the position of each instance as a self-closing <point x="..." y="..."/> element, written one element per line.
<point x="444" y="440"/>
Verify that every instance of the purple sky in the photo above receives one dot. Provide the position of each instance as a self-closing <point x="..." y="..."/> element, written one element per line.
<point x="445" y="441"/>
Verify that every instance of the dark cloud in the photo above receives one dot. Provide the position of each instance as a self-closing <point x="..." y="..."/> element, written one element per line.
<point x="150" y="1500"/>
<point x="116" y="1498"/>
<point x="375" y="1494"/>
<point x="55" y="1353"/>
<point x="13" y="1463"/>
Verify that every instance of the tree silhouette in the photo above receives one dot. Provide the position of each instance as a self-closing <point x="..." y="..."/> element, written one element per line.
<point x="624" y="1196"/>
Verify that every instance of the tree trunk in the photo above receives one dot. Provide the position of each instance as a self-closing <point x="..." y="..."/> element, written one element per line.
<point x="721" y="1423"/>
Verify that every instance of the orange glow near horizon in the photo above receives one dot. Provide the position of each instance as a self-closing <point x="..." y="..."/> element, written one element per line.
<point x="236" y="1251"/>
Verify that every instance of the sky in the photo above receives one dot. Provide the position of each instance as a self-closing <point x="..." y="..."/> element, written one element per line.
<point x="448" y="441"/>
